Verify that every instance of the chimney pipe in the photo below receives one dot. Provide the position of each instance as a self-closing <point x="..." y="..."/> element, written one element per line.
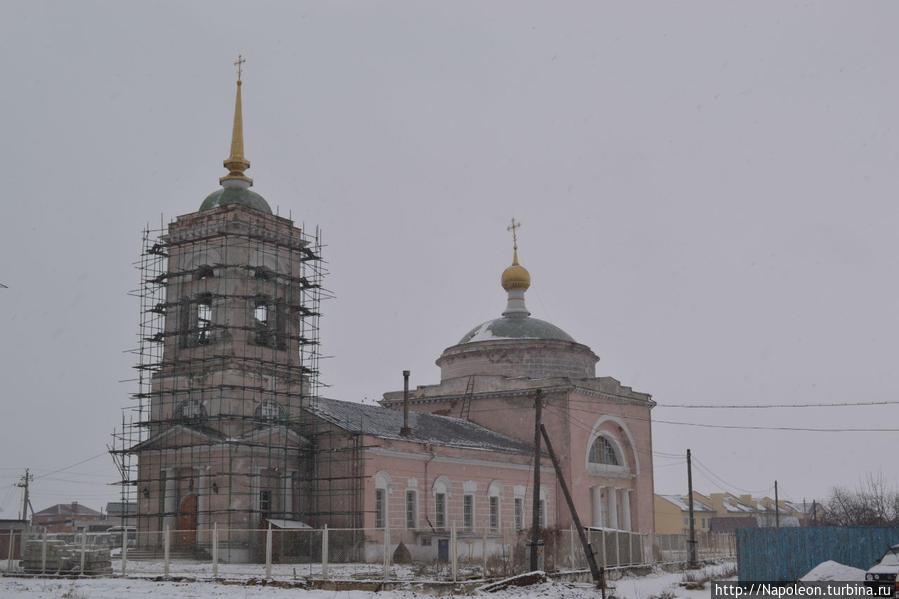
<point x="406" y="431"/>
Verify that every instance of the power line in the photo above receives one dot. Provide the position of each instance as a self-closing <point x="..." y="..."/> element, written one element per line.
<point x="840" y="404"/>
<point x="748" y="427"/>
<point x="94" y="457"/>
<point x="727" y="484"/>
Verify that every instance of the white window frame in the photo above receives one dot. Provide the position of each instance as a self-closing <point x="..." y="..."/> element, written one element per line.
<point x="411" y="514"/>
<point x="495" y="505"/>
<point x="382" y="483"/>
<point x="441" y="486"/>
<point x="469" y="516"/>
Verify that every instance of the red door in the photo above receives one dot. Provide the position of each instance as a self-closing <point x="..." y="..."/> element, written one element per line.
<point x="187" y="523"/>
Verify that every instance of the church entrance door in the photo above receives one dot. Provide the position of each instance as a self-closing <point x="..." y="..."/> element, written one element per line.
<point x="187" y="523"/>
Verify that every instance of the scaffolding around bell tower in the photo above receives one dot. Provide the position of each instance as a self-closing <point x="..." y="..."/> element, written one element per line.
<point x="218" y="434"/>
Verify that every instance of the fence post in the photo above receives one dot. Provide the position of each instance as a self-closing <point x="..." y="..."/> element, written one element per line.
<point x="630" y="548"/>
<point x="83" y="548"/>
<point x="215" y="549"/>
<point x="124" y="549"/>
<point x="268" y="551"/>
<point x="604" y="553"/>
<point x="12" y="542"/>
<point x="325" y="551"/>
<point x="44" y="551"/>
<point x="455" y="552"/>
<point x="617" y="549"/>
<point x="484" y="551"/>
<point x="386" y="552"/>
<point x="571" y="545"/>
<point x="165" y="550"/>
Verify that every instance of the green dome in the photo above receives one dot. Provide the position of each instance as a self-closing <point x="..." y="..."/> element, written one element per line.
<point x="515" y="328"/>
<point x="227" y="196"/>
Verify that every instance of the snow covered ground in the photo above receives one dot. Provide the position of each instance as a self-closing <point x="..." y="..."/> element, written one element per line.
<point x="642" y="587"/>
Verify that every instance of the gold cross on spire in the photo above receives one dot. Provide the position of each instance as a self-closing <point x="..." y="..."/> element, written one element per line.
<point x="239" y="64"/>
<point x="513" y="227"/>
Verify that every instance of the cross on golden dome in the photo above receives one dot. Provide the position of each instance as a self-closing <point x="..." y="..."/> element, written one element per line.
<point x="516" y="276"/>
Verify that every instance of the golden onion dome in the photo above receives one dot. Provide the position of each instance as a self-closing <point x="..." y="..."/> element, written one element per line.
<point x="516" y="276"/>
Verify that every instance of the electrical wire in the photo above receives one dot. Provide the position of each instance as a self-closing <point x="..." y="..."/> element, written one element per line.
<point x="841" y="404"/>
<point x="69" y="467"/>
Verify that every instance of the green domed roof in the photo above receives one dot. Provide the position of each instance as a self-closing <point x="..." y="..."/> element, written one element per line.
<point x="227" y="196"/>
<point x="515" y="328"/>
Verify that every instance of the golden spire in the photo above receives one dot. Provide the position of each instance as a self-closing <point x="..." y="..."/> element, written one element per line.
<point x="516" y="276"/>
<point x="236" y="163"/>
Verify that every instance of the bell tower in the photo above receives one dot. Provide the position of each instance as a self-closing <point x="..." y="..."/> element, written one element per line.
<point x="228" y="360"/>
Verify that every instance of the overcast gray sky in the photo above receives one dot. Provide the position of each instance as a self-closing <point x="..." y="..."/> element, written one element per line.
<point x="708" y="192"/>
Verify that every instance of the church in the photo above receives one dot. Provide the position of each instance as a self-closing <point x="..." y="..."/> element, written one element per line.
<point x="229" y="434"/>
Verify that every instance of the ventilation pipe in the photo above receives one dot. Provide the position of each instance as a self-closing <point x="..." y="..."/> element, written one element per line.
<point x="406" y="431"/>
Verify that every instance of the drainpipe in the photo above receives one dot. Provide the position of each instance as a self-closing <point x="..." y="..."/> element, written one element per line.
<point x="406" y="431"/>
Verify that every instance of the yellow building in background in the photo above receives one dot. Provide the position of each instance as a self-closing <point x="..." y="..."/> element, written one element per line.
<point x="672" y="513"/>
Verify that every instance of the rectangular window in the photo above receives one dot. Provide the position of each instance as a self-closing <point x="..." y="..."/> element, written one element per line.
<point x="468" y="512"/>
<point x="411" y="509"/>
<point x="261" y="324"/>
<point x="494" y="513"/>
<point x="380" y="508"/>
<point x="686" y="522"/>
<point x="541" y="514"/>
<point x="519" y="513"/>
<point x="204" y="321"/>
<point x="265" y="501"/>
<point x="440" y="510"/>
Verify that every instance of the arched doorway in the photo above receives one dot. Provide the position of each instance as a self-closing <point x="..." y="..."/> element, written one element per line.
<point x="187" y="523"/>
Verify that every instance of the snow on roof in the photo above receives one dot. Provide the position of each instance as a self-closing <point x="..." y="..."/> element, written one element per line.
<point x="683" y="503"/>
<point x="426" y="428"/>
<point x="68" y="509"/>
<point x="732" y="504"/>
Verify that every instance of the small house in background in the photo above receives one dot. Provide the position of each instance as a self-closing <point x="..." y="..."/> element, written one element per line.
<point x="62" y="516"/>
<point x="672" y="513"/>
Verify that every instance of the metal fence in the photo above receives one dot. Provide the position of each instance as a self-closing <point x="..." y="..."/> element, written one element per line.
<point x="360" y="554"/>
<point x="787" y="554"/>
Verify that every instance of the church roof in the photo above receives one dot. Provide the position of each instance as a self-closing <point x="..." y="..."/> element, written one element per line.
<point x="515" y="327"/>
<point x="227" y="196"/>
<point x="516" y="321"/>
<point x="386" y="423"/>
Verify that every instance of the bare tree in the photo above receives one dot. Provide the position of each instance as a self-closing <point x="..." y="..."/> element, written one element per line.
<point x="872" y="503"/>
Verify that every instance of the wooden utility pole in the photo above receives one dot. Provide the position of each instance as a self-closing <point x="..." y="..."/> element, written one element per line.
<point x="24" y="483"/>
<point x="595" y="571"/>
<point x="535" y="532"/>
<point x="776" y="508"/>
<point x="691" y="542"/>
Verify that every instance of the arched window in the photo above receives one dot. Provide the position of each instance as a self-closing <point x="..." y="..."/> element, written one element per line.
<point x="204" y="272"/>
<point x="204" y="320"/>
<point x="190" y="411"/>
<point x="602" y="452"/>
<point x="494" y="499"/>
<point x="382" y="489"/>
<point x="268" y="411"/>
<point x="441" y="501"/>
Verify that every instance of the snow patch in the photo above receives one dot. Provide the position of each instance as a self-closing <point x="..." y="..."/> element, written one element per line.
<point x="831" y="570"/>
